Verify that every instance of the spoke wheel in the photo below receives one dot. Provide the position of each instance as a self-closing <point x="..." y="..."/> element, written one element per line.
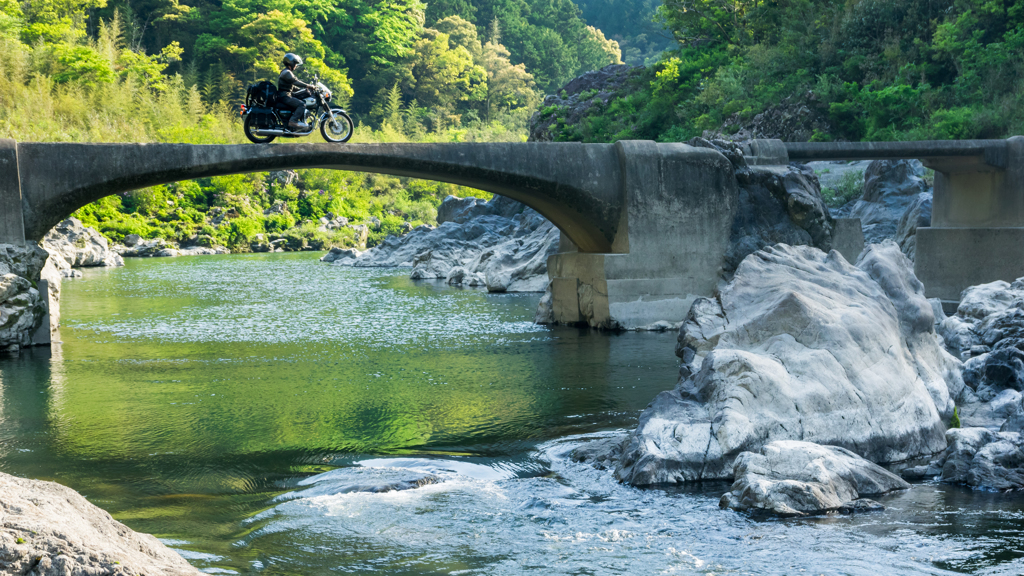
<point x="338" y="131"/>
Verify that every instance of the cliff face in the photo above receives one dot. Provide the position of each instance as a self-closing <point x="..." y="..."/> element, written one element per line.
<point x="561" y="117"/>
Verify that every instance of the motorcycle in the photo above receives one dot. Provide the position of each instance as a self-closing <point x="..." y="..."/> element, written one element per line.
<point x="263" y="119"/>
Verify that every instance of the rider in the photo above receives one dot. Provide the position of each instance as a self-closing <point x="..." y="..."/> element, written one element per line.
<point x="288" y="96"/>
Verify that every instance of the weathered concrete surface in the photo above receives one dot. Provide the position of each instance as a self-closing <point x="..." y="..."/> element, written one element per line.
<point x="680" y="202"/>
<point x="51" y="530"/>
<point x="950" y="260"/>
<point x="576" y="186"/>
<point x="848" y="238"/>
<point x="12" y="229"/>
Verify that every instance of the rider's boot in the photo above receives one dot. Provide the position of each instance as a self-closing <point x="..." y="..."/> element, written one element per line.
<point x="296" y="124"/>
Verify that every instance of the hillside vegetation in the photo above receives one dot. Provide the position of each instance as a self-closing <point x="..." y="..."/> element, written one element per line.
<point x="846" y="69"/>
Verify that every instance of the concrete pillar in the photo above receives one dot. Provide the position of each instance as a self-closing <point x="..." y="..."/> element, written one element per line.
<point x="977" y="231"/>
<point x="848" y="238"/>
<point x="680" y="202"/>
<point x="12" y="226"/>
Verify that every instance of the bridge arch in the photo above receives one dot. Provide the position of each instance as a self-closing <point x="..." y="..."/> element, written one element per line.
<point x="579" y="188"/>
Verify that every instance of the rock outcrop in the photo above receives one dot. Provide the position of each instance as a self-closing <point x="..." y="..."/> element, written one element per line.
<point x="22" y="308"/>
<point x="791" y="478"/>
<point x="777" y="205"/>
<point x="562" y="113"/>
<point x="51" y="530"/>
<point x="136" y="247"/>
<point x="983" y="459"/>
<point x="79" y="246"/>
<point x="801" y="345"/>
<point x="794" y="119"/>
<point x="499" y="244"/>
<point x="896" y="201"/>
<point x="987" y="332"/>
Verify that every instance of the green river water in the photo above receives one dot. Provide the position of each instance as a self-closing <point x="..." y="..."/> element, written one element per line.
<point x="233" y="405"/>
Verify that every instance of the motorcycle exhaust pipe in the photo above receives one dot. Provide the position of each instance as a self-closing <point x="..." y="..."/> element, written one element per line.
<point x="280" y="133"/>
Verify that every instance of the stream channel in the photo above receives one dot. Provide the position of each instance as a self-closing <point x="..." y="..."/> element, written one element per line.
<point x="234" y="406"/>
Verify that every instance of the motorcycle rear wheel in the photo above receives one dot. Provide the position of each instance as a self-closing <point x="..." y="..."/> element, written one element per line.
<point x="249" y="127"/>
<point x="342" y="129"/>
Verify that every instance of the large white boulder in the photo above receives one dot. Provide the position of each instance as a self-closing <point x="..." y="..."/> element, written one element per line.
<point x="51" y="530"/>
<point x="801" y="345"/>
<point x="792" y="478"/>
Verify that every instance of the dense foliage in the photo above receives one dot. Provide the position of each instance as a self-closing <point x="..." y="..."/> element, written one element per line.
<point x="633" y="24"/>
<point x="871" y="69"/>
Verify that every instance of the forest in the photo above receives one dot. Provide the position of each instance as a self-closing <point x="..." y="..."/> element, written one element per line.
<point x="849" y="69"/>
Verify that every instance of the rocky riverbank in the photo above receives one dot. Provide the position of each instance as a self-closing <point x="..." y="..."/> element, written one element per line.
<point x="500" y="244"/>
<point x="51" y="530"/>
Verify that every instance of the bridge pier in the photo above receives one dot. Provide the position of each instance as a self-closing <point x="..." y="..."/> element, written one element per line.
<point x="679" y="206"/>
<point x="12" y="225"/>
<point x="977" y="231"/>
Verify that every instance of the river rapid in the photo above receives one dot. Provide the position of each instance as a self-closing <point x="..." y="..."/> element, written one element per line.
<point x="238" y="407"/>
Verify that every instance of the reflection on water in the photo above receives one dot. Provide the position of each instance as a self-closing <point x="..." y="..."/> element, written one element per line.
<point x="245" y="409"/>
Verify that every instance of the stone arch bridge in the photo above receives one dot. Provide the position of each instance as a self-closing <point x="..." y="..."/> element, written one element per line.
<point x="645" y="225"/>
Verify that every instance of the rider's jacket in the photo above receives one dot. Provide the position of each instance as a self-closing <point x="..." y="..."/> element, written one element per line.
<point x="288" y="81"/>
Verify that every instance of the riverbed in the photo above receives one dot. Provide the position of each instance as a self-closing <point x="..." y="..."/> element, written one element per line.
<point x="239" y="406"/>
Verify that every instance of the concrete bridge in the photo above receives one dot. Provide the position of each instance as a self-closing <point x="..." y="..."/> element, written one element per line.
<point x="646" y="224"/>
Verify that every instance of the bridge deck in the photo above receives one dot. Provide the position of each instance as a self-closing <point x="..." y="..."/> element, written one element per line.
<point x="990" y="153"/>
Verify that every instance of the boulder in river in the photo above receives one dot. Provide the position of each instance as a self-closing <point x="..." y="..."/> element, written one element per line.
<point x="51" y="530"/>
<point x="801" y="345"/>
<point x="791" y="478"/>
<point x="79" y="245"/>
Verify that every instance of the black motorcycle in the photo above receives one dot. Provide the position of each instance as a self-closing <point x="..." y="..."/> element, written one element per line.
<point x="264" y="119"/>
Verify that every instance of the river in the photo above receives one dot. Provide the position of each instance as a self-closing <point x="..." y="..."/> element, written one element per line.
<point x="238" y="406"/>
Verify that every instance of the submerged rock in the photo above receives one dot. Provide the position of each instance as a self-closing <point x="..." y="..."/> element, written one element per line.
<point x="80" y="246"/>
<point x="384" y="487"/>
<point x="801" y="345"/>
<point x="791" y="478"/>
<point x="499" y="244"/>
<point x="51" y="530"/>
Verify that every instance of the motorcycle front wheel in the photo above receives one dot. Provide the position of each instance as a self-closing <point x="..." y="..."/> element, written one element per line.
<point x="249" y="126"/>
<point x="338" y="131"/>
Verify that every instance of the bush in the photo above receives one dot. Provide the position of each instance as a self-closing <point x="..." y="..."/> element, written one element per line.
<point x="850" y="187"/>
